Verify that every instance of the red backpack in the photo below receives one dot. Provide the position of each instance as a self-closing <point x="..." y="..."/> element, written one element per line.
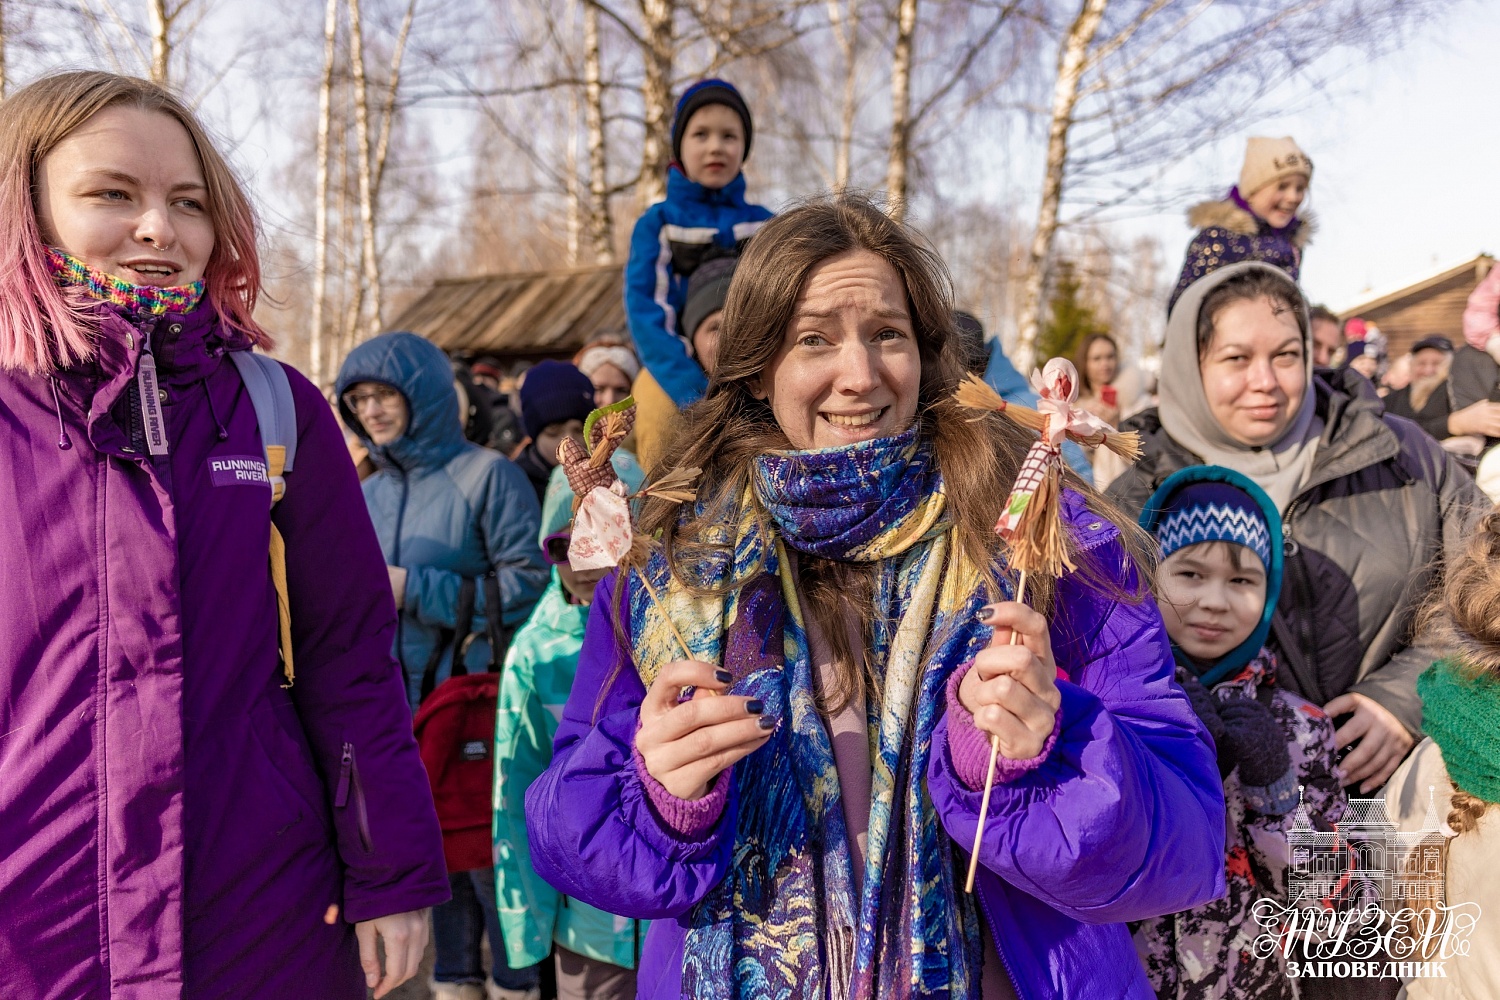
<point x="455" y="728"/>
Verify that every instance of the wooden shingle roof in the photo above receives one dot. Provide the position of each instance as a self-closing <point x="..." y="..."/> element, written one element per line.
<point x="536" y="314"/>
<point x="1435" y="304"/>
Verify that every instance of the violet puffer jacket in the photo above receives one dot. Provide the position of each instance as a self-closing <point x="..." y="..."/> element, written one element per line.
<point x="1123" y="820"/>
<point x="174" y="822"/>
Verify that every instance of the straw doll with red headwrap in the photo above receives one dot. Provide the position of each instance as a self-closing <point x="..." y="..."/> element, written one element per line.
<point x="1032" y="522"/>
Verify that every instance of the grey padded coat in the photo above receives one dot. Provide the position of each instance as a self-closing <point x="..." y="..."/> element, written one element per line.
<point x="1383" y="506"/>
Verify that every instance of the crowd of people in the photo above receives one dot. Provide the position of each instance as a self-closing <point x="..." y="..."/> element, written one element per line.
<point x="270" y="717"/>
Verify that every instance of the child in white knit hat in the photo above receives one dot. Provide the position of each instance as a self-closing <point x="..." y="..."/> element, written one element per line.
<point x="1258" y="219"/>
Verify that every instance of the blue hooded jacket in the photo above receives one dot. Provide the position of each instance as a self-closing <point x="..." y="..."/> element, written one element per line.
<point x="692" y="222"/>
<point x="444" y="509"/>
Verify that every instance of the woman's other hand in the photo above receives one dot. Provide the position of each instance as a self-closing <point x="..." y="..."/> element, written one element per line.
<point x="1383" y="740"/>
<point x="1481" y="418"/>
<point x="1012" y="690"/>
<point x="405" y="938"/>
<point x="685" y="744"/>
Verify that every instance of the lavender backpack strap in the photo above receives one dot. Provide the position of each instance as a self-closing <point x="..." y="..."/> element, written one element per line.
<point x="276" y="414"/>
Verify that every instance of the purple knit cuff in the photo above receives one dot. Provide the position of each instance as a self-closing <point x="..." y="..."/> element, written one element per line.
<point x="969" y="746"/>
<point x="690" y="819"/>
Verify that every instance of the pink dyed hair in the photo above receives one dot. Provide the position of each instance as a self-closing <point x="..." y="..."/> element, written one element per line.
<point x="41" y="328"/>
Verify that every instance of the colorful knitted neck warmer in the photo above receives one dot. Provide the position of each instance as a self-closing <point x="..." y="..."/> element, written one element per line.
<point x="138" y="300"/>
<point x="786" y="920"/>
<point x="1461" y="712"/>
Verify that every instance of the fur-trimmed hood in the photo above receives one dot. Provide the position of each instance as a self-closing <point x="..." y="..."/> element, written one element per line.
<point x="1225" y="214"/>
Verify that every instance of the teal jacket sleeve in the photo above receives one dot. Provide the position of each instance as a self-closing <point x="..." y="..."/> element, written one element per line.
<point x="523" y="748"/>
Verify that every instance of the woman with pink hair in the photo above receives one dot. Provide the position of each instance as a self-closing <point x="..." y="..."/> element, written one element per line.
<point x="202" y="798"/>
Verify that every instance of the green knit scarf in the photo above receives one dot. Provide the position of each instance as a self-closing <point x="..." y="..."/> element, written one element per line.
<point x="1461" y="712"/>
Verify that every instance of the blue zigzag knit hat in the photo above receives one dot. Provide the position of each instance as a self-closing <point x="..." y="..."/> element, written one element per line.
<point x="1209" y="503"/>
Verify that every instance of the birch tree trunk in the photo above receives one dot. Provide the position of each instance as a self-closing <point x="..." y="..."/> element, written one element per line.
<point x="845" y="21"/>
<point x="161" y="46"/>
<point x="656" y="92"/>
<point x="900" y="143"/>
<point x="574" y="185"/>
<point x="601" y="226"/>
<point x="3" y="79"/>
<point x="1072" y="60"/>
<point x="364" y="152"/>
<point x="320" y="238"/>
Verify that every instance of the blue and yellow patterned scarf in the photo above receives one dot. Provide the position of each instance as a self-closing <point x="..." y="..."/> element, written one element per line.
<point x="786" y="921"/>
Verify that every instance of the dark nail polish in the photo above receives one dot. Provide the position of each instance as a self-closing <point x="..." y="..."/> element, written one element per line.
<point x="986" y="613"/>
<point x="755" y="706"/>
<point x="766" y="722"/>
<point x="723" y="676"/>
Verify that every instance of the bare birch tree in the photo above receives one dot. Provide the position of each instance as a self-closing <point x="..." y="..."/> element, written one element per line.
<point x="1161" y="78"/>
<point x="364" y="171"/>
<point x="1072" y="57"/>
<point x="844" y="19"/>
<point x="600" y="223"/>
<point x="900" y="141"/>
<point x="658" y="25"/>
<point x="320" y="237"/>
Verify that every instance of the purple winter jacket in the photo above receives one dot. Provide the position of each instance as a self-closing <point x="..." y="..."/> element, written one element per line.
<point x="1123" y="820"/>
<point x="173" y="822"/>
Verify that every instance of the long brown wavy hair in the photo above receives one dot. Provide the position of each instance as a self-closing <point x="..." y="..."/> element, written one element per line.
<point x="724" y="432"/>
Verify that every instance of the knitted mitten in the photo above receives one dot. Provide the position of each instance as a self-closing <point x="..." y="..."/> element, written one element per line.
<point x="1206" y="707"/>
<point x="1258" y="742"/>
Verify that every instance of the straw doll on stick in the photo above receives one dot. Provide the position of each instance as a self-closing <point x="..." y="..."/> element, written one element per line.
<point x="1032" y="522"/>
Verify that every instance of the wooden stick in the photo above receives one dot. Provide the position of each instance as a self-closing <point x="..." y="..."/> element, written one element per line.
<point x="989" y="780"/>
<point x="655" y="599"/>
<point x="662" y="606"/>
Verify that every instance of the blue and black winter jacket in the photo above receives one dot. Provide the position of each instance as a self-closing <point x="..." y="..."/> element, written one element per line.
<point x="671" y="239"/>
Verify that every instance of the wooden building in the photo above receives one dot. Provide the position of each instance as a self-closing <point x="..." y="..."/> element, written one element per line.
<point x="1432" y="305"/>
<point x="519" y="317"/>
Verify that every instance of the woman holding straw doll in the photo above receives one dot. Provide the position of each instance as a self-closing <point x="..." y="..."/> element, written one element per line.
<point x="778" y="741"/>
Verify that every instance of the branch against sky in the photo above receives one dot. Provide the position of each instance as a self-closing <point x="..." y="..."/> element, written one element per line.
<point x="1158" y="79"/>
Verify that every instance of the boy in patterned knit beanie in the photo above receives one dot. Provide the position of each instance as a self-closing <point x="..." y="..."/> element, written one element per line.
<point x="705" y="215"/>
<point x="1220" y="541"/>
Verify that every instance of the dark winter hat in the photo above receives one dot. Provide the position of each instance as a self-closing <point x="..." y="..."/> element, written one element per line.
<point x="707" y="291"/>
<point x="1433" y="342"/>
<point x="554" y="392"/>
<point x="1209" y="503"/>
<point x="701" y="94"/>
<point x="971" y="341"/>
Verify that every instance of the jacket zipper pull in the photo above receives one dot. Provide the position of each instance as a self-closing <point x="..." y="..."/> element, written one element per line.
<point x="152" y="422"/>
<point x="346" y="766"/>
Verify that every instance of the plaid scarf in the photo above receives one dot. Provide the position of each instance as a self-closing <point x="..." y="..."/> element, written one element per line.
<point x="138" y="300"/>
<point x="786" y="922"/>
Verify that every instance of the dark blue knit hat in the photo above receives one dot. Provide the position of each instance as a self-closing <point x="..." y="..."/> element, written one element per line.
<point x="554" y="392"/>
<point x="1209" y="503"/>
<point x="1213" y="512"/>
<point x="701" y="94"/>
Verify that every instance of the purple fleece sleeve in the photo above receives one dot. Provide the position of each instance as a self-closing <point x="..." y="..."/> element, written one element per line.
<point x="1125" y="818"/>
<point x="969" y="745"/>
<point x="349" y="693"/>
<point x="595" y="834"/>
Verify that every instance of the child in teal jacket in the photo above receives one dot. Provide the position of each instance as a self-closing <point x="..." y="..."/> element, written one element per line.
<point x="596" y="951"/>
